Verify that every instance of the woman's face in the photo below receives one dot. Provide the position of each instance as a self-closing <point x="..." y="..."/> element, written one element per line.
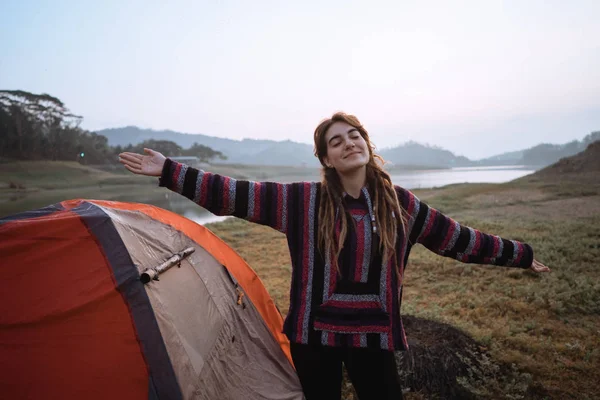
<point x="346" y="148"/>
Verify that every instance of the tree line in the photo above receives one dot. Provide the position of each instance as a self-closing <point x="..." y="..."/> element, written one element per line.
<point x="41" y="127"/>
<point x="545" y="154"/>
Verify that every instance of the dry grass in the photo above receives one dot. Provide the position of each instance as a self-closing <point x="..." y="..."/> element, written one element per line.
<point x="543" y="331"/>
<point x="28" y="185"/>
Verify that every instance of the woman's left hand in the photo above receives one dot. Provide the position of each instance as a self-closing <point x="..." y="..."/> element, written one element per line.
<point x="537" y="266"/>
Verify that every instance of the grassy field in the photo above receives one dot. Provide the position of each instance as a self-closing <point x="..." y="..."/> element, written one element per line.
<point x="546" y="327"/>
<point x="30" y="185"/>
<point x="27" y="185"/>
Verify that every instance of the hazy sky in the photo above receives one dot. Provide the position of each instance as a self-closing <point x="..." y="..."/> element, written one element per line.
<point x="476" y="77"/>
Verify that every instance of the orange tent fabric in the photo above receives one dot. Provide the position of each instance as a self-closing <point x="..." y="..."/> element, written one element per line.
<point x="76" y="322"/>
<point x="35" y="312"/>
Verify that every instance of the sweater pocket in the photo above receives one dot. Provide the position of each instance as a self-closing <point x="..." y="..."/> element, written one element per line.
<point x="344" y="313"/>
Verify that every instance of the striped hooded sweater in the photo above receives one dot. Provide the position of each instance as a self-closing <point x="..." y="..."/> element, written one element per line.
<point x="359" y="306"/>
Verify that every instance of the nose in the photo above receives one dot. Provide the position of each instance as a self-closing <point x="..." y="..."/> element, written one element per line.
<point x="349" y="143"/>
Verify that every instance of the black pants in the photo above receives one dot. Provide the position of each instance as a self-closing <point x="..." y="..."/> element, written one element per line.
<point x="372" y="372"/>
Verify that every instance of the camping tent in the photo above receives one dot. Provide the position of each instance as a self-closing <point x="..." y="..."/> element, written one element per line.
<point x="76" y="320"/>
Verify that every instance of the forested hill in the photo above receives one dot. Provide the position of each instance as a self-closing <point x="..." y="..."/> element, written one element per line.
<point x="543" y="154"/>
<point x="583" y="166"/>
<point x="270" y="152"/>
<point x="247" y="151"/>
<point x="40" y="126"/>
<point x="413" y="153"/>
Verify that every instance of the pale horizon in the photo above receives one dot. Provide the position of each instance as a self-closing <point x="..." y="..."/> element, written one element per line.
<point x="475" y="78"/>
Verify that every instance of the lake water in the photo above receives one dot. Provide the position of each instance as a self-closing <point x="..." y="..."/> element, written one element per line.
<point x="442" y="177"/>
<point x="409" y="180"/>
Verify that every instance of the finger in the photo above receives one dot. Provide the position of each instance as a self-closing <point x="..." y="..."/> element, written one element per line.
<point x="150" y="152"/>
<point x="134" y="163"/>
<point x="130" y="160"/>
<point x="130" y="154"/>
<point x="541" y="266"/>
<point x="134" y="170"/>
<point x="132" y="157"/>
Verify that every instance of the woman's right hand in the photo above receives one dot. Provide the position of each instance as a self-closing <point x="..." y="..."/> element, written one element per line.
<point x="150" y="164"/>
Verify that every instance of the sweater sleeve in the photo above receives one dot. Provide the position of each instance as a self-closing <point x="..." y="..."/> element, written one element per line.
<point x="448" y="238"/>
<point x="266" y="203"/>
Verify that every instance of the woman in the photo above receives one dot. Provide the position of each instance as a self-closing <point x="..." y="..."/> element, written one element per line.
<point x="349" y="238"/>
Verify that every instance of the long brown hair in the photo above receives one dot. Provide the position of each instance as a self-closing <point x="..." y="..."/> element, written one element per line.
<point x="388" y="212"/>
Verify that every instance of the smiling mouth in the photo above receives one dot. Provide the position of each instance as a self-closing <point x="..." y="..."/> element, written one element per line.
<point x="351" y="154"/>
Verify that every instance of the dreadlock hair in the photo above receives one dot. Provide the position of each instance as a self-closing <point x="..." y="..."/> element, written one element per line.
<point x="386" y="207"/>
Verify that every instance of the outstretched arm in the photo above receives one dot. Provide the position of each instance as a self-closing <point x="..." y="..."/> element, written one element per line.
<point x="447" y="237"/>
<point x="266" y="203"/>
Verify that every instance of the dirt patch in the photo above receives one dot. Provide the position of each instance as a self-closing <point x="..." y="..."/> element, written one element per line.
<point x="445" y="363"/>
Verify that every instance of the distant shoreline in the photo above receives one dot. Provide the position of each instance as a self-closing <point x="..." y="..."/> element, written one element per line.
<point x="26" y="185"/>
